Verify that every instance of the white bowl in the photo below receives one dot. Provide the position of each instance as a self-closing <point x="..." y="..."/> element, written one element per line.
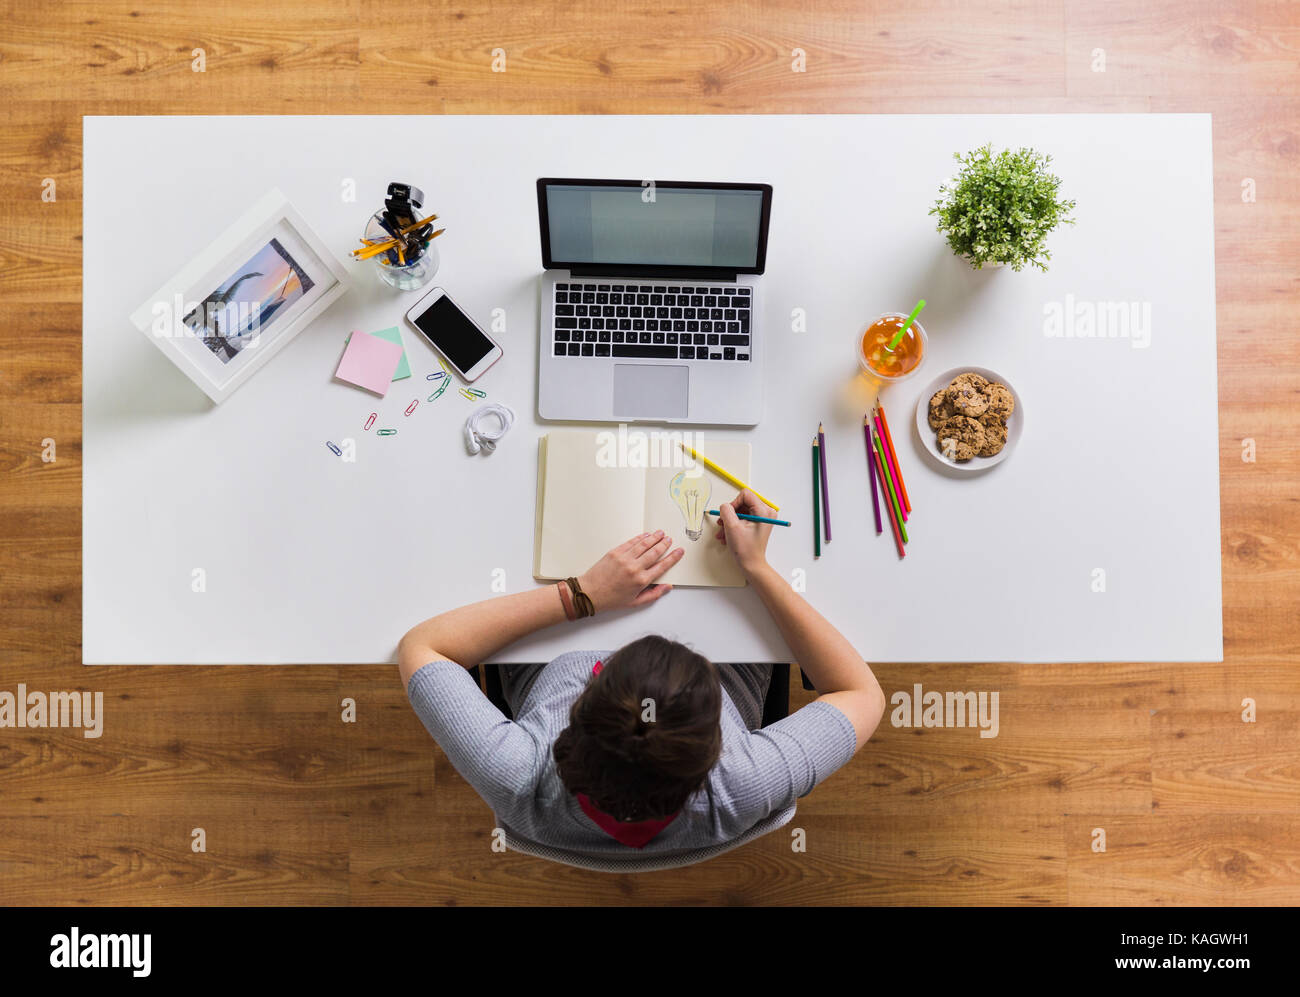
<point x="1015" y="422"/>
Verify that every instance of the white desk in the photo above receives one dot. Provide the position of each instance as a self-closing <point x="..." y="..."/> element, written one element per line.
<point x="311" y="559"/>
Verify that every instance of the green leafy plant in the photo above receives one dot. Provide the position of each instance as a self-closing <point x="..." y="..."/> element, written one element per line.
<point x="1000" y="208"/>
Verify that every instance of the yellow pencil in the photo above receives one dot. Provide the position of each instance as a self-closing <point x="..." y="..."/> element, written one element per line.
<point x="412" y="227"/>
<point x="374" y="250"/>
<point x="727" y="475"/>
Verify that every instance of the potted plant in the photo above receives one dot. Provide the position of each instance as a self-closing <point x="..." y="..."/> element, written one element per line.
<point x="999" y="209"/>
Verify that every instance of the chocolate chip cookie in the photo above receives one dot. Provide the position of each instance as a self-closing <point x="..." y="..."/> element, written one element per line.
<point x="976" y="381"/>
<point x="960" y="438"/>
<point x="995" y="435"/>
<point x="940" y="409"/>
<point x="1001" y="402"/>
<point x="967" y="397"/>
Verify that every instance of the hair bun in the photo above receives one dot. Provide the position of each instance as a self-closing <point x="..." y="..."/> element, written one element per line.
<point x="636" y="745"/>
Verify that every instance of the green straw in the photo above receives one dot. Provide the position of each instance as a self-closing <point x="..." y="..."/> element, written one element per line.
<point x="910" y="319"/>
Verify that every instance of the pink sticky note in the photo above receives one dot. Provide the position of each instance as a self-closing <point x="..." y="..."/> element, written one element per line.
<point x="369" y="362"/>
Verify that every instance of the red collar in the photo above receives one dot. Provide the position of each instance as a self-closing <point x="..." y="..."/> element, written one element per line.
<point x="635" y="834"/>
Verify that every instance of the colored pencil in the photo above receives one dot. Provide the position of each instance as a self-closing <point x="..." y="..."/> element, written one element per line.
<point x="889" y="482"/>
<point x="728" y="476"/>
<point x="817" y="516"/>
<point x="374" y="249"/>
<point x="880" y="476"/>
<point x="871" y="473"/>
<point x="889" y="464"/>
<point x="415" y="225"/>
<point x="898" y="473"/>
<point x="751" y="519"/>
<point x="826" y="494"/>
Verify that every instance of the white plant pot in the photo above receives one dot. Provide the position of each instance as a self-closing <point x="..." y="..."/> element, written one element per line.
<point x="987" y="266"/>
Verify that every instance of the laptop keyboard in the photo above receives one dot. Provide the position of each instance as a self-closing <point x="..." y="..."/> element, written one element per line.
<point x="652" y="321"/>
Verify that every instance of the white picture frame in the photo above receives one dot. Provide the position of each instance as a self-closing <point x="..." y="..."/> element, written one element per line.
<point x="231" y="308"/>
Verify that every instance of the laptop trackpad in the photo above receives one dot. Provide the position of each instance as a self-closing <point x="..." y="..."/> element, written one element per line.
<point x="651" y="391"/>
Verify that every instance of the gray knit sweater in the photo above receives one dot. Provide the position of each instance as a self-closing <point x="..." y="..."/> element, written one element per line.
<point x="510" y="764"/>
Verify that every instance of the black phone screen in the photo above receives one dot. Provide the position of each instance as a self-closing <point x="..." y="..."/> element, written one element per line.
<point x="451" y="331"/>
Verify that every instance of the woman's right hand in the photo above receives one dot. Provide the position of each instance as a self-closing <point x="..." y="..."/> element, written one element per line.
<point x="748" y="541"/>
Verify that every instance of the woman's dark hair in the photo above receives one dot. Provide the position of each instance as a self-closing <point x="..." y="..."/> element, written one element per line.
<point x="632" y="769"/>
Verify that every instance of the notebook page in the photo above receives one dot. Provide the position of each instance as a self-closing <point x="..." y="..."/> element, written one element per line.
<point x="586" y="508"/>
<point x="676" y="499"/>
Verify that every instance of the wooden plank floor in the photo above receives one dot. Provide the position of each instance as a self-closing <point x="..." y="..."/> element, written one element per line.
<point x="299" y="808"/>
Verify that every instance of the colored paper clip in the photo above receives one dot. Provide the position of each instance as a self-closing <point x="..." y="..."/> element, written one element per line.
<point x="464" y="393"/>
<point x="441" y="388"/>
<point x="476" y="393"/>
<point x="335" y="448"/>
<point x="411" y="408"/>
<point x="385" y="432"/>
<point x="436" y="375"/>
<point x="371" y="421"/>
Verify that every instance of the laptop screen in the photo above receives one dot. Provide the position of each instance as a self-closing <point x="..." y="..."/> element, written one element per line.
<point x="623" y="223"/>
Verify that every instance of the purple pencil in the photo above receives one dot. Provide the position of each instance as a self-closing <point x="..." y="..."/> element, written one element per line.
<point x="826" y="495"/>
<point x="871" y="472"/>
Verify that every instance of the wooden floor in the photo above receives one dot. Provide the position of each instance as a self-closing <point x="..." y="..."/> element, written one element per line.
<point x="299" y="808"/>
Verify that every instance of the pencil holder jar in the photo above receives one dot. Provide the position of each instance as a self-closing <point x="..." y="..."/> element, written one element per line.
<point x="408" y="275"/>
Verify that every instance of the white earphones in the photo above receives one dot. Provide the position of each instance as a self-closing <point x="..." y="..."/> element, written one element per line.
<point x="477" y="439"/>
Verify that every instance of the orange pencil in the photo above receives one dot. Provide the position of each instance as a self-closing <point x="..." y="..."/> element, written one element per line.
<point x="898" y="473"/>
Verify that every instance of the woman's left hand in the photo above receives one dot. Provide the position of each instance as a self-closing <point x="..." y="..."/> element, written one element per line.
<point x="625" y="576"/>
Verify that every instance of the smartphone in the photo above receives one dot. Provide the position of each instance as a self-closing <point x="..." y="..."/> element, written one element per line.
<point x="455" y="335"/>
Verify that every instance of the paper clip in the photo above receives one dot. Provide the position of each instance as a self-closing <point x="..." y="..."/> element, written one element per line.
<point x="334" y="447"/>
<point x="411" y="408"/>
<point x="464" y="393"/>
<point x="476" y="393"/>
<point x="435" y="376"/>
<point x="441" y="388"/>
<point x="385" y="432"/>
<point x="371" y="421"/>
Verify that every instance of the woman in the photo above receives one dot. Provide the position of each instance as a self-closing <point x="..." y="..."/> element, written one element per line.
<point x="652" y="746"/>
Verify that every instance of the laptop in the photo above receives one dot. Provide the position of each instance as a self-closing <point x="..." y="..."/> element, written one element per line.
<point x="650" y="306"/>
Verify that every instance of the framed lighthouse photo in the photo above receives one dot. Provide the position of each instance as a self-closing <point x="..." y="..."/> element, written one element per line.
<point x="243" y="299"/>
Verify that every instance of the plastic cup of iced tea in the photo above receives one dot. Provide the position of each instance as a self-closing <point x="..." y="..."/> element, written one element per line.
<point x="903" y="360"/>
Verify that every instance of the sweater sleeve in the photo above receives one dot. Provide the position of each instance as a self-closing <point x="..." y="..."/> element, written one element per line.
<point x="776" y="765"/>
<point x="494" y="755"/>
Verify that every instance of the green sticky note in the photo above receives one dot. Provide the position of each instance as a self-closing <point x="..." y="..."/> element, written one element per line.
<point x="393" y="336"/>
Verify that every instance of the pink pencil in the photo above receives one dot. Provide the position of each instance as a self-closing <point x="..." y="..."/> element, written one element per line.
<point x="889" y="452"/>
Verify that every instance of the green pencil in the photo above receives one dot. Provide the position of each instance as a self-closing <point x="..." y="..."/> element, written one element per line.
<point x="817" y="509"/>
<point x="889" y="481"/>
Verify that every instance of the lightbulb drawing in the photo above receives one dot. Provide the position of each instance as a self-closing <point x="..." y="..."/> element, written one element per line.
<point x="690" y="491"/>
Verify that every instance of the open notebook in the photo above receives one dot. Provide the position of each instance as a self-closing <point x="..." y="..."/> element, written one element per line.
<point x="588" y="501"/>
